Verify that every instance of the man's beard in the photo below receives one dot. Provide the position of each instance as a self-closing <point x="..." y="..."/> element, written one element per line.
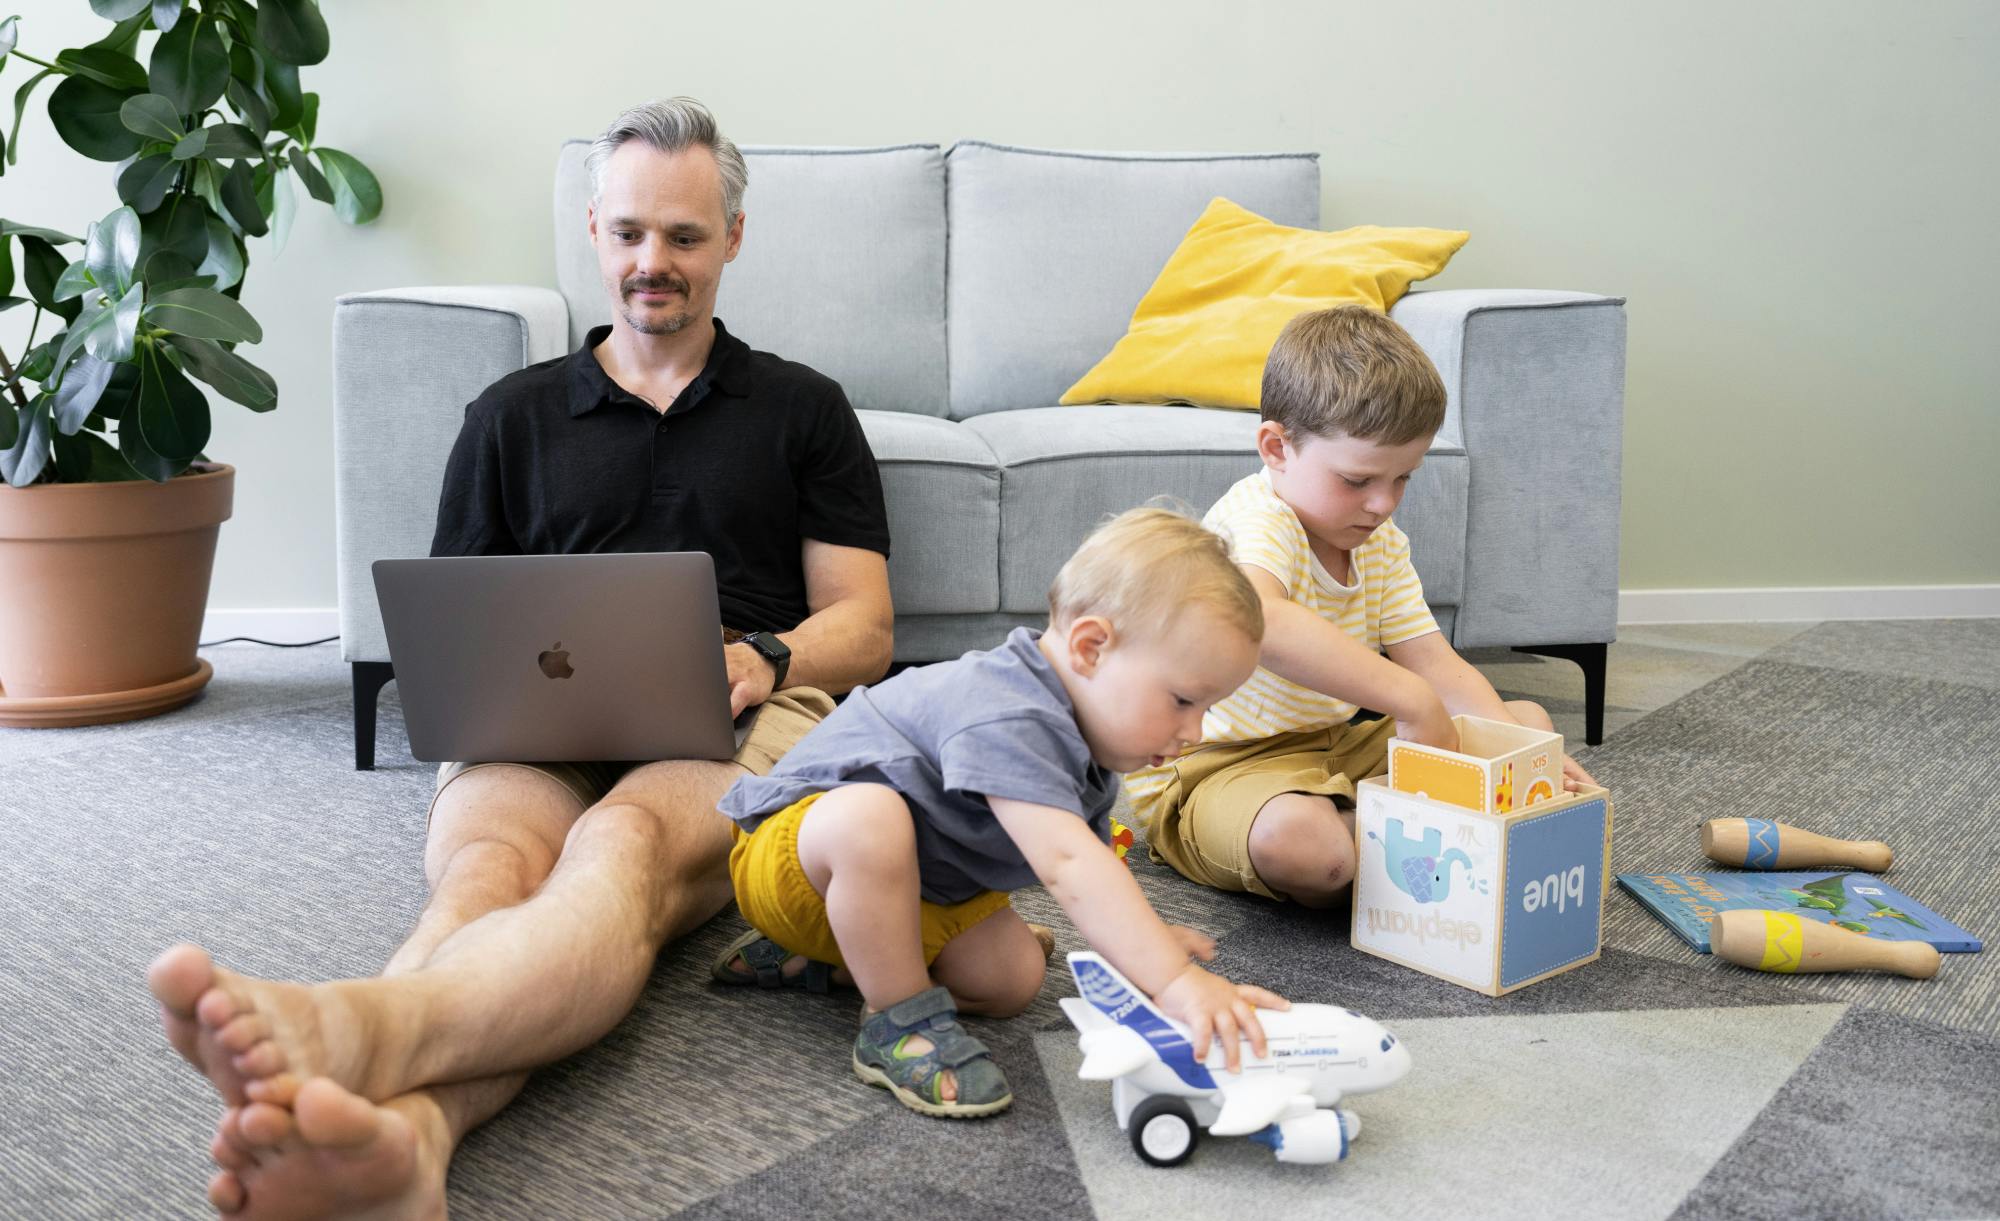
<point x="673" y="324"/>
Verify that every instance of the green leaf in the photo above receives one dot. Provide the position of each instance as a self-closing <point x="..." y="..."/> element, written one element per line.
<point x="85" y="115"/>
<point x="145" y="182"/>
<point x="281" y="83"/>
<point x="225" y="257"/>
<point x="112" y="250"/>
<point x="190" y="280"/>
<point x="53" y="236"/>
<point x="10" y="33"/>
<point x="190" y="66"/>
<point x="6" y="266"/>
<point x="206" y="176"/>
<point x="41" y="268"/>
<point x="118" y="10"/>
<point x="248" y="106"/>
<point x="316" y="184"/>
<point x="292" y="30"/>
<point x="231" y="140"/>
<point x="164" y="269"/>
<point x="152" y="116"/>
<point x="124" y="36"/>
<point x="39" y="364"/>
<point x="190" y="146"/>
<point x="22" y="464"/>
<point x="204" y="314"/>
<point x="114" y="342"/>
<point x="308" y="122"/>
<point x="172" y="415"/>
<point x="20" y="108"/>
<point x="239" y="196"/>
<point x="133" y="448"/>
<point x="77" y="397"/>
<point x="357" y="197"/>
<point x="89" y="458"/>
<point x="166" y="14"/>
<point x="7" y="303"/>
<point x="106" y="67"/>
<point x="284" y="206"/>
<point x="177" y="226"/>
<point x="232" y="376"/>
<point x="10" y="424"/>
<point x="95" y="317"/>
<point x="75" y="281"/>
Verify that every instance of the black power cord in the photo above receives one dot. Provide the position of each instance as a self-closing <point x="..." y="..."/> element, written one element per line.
<point x="276" y="644"/>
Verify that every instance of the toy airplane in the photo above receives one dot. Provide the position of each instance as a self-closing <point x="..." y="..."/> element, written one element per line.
<point x="1285" y="1099"/>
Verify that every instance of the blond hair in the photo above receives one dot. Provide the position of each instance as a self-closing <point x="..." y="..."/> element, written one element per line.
<point x="1143" y="567"/>
<point x="1350" y="371"/>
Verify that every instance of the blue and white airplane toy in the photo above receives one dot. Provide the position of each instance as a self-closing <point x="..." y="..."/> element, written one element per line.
<point x="1285" y="1099"/>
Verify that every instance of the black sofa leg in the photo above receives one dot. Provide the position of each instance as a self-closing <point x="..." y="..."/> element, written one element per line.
<point x="369" y="679"/>
<point x="1592" y="657"/>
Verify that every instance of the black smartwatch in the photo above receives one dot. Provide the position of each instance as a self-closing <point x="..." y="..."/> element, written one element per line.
<point x="773" y="650"/>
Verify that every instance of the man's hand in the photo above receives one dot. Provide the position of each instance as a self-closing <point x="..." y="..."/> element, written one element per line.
<point x="1574" y="776"/>
<point x="1211" y="1006"/>
<point x="750" y="677"/>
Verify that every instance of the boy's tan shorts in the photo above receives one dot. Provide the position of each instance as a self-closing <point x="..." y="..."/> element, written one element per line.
<point x="1202" y="823"/>
<point x="781" y="721"/>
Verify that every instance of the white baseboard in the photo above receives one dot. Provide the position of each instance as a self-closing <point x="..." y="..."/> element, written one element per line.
<point x="1804" y="603"/>
<point x="276" y="626"/>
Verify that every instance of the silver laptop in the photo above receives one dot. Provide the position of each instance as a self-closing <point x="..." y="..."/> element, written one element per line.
<point x="551" y="658"/>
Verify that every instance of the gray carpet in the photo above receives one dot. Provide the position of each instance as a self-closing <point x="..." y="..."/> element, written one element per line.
<point x="1652" y="1083"/>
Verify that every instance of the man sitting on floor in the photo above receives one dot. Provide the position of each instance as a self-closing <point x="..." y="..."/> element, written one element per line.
<point x="554" y="886"/>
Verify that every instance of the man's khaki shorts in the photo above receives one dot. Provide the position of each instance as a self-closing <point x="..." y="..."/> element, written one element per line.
<point x="1202" y="823"/>
<point x="781" y="721"/>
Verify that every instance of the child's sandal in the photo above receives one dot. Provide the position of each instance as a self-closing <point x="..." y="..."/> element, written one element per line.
<point x="766" y="960"/>
<point x="917" y="1079"/>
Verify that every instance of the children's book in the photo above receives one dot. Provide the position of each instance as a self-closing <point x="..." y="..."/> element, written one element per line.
<point x="1857" y="902"/>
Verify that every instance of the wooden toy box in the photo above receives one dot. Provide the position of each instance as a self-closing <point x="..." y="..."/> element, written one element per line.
<point x="1497" y="768"/>
<point x="1492" y="901"/>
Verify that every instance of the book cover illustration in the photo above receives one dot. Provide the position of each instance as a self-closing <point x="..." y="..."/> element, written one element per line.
<point x="1858" y="902"/>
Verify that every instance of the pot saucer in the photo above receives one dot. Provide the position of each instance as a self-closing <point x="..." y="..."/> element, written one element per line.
<point x="63" y="711"/>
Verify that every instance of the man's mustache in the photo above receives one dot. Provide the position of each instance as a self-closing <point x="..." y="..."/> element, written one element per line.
<point x="654" y="284"/>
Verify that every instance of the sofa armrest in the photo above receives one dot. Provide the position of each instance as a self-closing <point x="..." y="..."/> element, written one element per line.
<point x="405" y="364"/>
<point x="1535" y="382"/>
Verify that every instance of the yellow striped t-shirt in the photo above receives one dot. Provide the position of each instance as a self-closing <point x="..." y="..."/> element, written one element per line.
<point x="1383" y="605"/>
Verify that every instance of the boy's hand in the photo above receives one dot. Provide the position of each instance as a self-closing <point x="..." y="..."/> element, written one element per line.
<point x="1211" y="1006"/>
<point x="1433" y="728"/>
<point x="1574" y="776"/>
<point x="1197" y="943"/>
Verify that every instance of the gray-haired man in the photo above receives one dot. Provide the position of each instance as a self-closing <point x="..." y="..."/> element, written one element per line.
<point x="554" y="886"/>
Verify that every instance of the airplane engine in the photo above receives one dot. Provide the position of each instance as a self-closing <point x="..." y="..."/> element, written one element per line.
<point x="1311" y="1139"/>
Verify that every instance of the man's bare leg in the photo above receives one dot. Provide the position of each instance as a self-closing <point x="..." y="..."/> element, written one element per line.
<point x="686" y="848"/>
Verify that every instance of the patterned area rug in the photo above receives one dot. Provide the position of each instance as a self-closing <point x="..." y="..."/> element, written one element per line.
<point x="1652" y="1083"/>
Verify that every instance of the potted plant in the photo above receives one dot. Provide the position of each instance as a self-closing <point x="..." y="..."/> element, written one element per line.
<point x="109" y="509"/>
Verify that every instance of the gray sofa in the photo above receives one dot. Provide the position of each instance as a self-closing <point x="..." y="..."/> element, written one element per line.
<point x="956" y="294"/>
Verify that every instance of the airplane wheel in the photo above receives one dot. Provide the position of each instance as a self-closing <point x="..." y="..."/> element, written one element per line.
<point x="1163" y="1131"/>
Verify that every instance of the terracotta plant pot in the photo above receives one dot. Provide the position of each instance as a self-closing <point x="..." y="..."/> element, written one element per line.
<point x="104" y="588"/>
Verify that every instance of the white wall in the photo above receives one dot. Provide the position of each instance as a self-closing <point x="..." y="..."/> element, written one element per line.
<point x="1796" y="197"/>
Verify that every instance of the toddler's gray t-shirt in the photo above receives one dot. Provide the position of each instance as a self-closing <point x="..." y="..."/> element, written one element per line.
<point x="946" y="736"/>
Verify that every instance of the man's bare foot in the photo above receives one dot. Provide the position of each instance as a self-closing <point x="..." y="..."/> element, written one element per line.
<point x="333" y="1154"/>
<point x="256" y="1039"/>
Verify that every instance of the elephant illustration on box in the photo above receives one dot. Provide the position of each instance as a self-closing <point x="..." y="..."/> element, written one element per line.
<point x="1416" y="866"/>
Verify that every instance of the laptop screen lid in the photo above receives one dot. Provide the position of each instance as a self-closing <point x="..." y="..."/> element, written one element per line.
<point x="558" y="658"/>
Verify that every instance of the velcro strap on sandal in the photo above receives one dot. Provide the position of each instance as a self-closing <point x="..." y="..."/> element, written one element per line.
<point x="955" y="1048"/>
<point x="911" y="1011"/>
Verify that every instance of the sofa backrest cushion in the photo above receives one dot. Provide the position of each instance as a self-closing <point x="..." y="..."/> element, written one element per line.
<point x="1050" y="252"/>
<point x="842" y="266"/>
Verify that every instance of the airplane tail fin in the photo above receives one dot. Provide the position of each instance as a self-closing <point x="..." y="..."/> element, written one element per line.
<point x="1105" y="990"/>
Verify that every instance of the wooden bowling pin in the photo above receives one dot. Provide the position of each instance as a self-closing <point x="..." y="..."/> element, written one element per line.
<point x="1786" y="942"/>
<point x="1753" y="843"/>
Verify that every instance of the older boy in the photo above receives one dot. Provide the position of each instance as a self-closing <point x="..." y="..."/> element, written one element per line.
<point x="1265" y="802"/>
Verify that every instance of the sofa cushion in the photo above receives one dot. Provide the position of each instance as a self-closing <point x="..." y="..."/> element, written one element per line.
<point x="1050" y="252"/>
<point x="842" y="266"/>
<point x="1063" y="470"/>
<point x="1231" y="287"/>
<point x="943" y="492"/>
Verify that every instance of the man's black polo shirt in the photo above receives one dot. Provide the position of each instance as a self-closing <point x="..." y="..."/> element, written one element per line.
<point x="755" y="455"/>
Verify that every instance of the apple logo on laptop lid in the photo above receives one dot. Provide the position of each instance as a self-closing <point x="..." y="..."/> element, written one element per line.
<point x="555" y="662"/>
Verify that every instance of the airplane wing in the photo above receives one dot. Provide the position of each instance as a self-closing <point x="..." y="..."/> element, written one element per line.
<point x="1112" y="1053"/>
<point x="1253" y="1102"/>
<point x="1083" y="1015"/>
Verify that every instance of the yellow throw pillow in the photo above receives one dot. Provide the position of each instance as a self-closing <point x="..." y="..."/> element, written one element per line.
<point x="1202" y="331"/>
